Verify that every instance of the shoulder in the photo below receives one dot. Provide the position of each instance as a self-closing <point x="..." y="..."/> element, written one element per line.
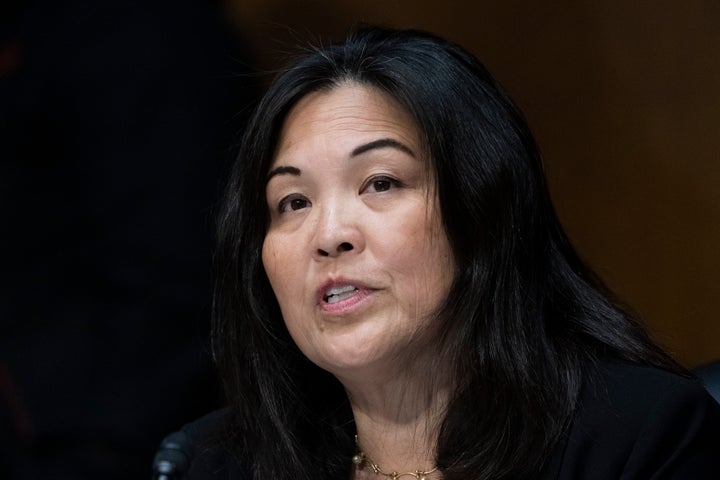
<point x="639" y="422"/>
<point x="211" y="452"/>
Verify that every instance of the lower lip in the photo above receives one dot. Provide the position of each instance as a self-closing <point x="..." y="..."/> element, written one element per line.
<point x="346" y="306"/>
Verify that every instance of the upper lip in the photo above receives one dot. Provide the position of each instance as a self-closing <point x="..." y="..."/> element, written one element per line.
<point x="338" y="282"/>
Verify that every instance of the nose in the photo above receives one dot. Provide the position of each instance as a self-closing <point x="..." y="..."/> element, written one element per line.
<point x="338" y="231"/>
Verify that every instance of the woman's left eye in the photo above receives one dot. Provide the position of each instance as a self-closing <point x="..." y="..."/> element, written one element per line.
<point x="381" y="184"/>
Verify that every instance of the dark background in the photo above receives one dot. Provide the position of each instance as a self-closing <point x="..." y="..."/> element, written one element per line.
<point x="118" y="119"/>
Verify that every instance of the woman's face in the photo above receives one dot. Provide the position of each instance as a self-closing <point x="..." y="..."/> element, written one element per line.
<point x="355" y="250"/>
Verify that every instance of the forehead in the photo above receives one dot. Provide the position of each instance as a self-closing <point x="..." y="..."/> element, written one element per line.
<point x="346" y="115"/>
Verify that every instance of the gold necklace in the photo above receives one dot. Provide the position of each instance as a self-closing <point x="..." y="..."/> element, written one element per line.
<point x="360" y="460"/>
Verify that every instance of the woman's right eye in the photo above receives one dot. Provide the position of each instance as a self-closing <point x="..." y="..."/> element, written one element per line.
<point x="293" y="202"/>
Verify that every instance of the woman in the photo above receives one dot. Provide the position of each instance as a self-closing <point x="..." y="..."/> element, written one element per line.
<point x="395" y="297"/>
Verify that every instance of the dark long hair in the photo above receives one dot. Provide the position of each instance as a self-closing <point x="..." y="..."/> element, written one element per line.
<point x="525" y="319"/>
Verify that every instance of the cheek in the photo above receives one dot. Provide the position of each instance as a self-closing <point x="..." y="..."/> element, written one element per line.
<point x="421" y="259"/>
<point x="269" y="259"/>
<point x="285" y="272"/>
<point x="276" y="267"/>
<point x="442" y="262"/>
<point x="433" y="272"/>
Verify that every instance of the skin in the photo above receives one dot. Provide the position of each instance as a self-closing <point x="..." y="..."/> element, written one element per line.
<point x="353" y="207"/>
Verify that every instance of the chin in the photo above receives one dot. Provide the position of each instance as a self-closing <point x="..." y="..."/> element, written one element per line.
<point x="345" y="356"/>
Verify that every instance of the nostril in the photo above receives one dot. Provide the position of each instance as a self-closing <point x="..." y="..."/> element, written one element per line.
<point x="342" y="247"/>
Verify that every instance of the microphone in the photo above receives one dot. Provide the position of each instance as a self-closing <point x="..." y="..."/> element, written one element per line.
<point x="172" y="460"/>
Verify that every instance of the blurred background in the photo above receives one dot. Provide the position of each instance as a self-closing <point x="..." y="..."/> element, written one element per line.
<point x="118" y="119"/>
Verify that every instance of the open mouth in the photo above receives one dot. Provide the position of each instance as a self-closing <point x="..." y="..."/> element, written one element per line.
<point x="338" y="294"/>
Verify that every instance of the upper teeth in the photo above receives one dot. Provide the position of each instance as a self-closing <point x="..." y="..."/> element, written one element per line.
<point x="337" y="294"/>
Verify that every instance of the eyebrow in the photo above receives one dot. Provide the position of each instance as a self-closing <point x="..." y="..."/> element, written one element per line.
<point x="366" y="147"/>
<point x="382" y="143"/>
<point x="283" y="170"/>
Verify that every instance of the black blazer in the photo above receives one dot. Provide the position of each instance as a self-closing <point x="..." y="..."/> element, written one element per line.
<point x="632" y="422"/>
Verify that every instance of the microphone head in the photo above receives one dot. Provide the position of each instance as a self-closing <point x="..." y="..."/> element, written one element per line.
<point x="173" y="457"/>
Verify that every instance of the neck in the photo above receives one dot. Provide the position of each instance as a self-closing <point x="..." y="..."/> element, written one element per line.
<point x="397" y="414"/>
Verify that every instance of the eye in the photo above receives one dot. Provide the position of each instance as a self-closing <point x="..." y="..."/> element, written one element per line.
<point x="293" y="202"/>
<point x="381" y="184"/>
